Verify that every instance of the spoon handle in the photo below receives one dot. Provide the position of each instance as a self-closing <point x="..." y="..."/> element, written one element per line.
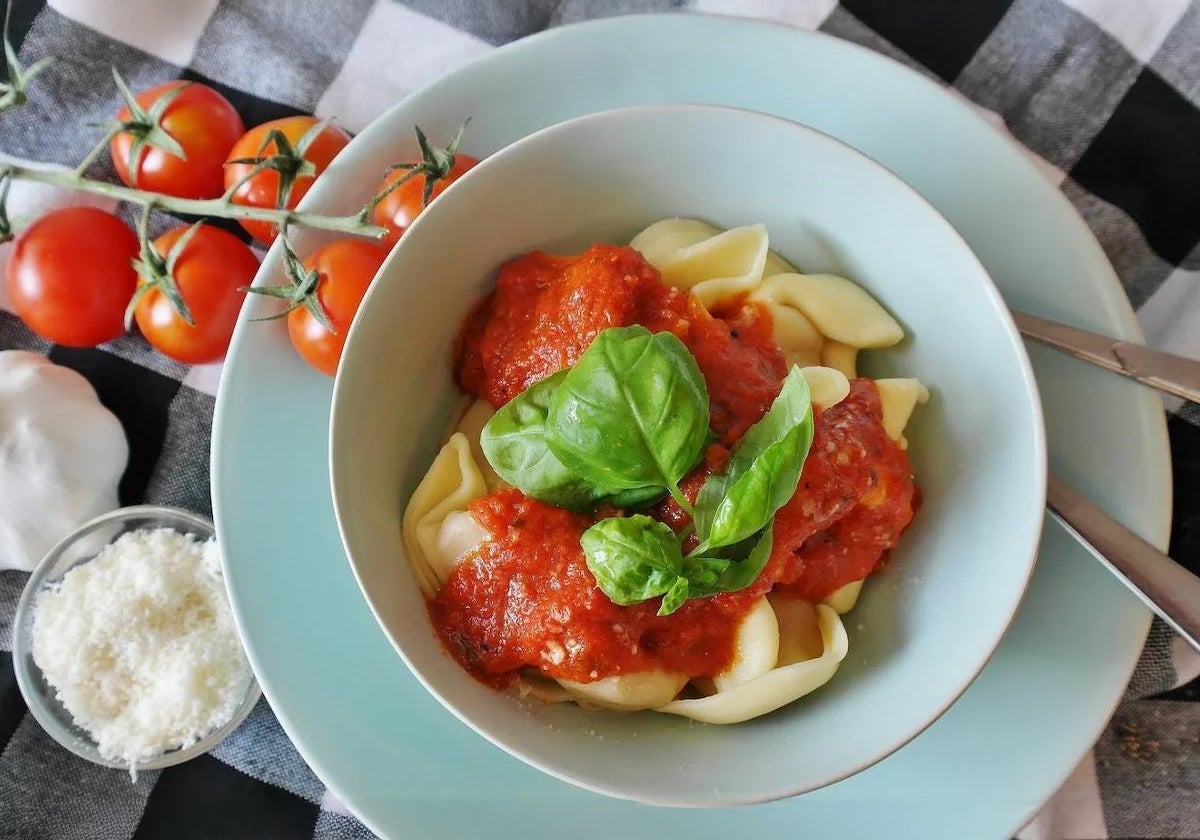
<point x="1174" y="374"/>
<point x="1165" y="586"/>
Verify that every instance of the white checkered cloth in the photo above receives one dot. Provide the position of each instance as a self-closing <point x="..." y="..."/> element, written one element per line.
<point x="1104" y="94"/>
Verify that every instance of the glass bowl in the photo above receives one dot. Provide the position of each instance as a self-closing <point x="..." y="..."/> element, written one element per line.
<point x="75" y="549"/>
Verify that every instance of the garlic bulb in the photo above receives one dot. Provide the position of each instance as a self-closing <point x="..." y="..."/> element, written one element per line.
<point x="62" y="454"/>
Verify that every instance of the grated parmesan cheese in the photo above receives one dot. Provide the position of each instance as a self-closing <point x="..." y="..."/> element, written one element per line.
<point x="140" y="646"/>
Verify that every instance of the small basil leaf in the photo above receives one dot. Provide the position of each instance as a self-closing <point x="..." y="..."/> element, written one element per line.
<point x="514" y="442"/>
<point x="734" y="575"/>
<point x="634" y="558"/>
<point x="763" y="471"/>
<point x="675" y="597"/>
<point x="704" y="574"/>
<point x="632" y="412"/>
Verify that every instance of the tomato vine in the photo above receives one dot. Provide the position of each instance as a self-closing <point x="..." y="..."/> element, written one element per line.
<point x="143" y="123"/>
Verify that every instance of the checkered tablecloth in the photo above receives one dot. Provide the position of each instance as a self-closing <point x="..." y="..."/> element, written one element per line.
<point x="1105" y="94"/>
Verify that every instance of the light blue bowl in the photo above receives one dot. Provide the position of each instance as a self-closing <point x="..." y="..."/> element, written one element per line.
<point x="924" y="627"/>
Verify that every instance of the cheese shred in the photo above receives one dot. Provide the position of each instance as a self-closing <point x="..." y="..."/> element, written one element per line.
<point x="140" y="645"/>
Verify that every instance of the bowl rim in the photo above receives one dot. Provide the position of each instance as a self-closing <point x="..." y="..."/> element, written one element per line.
<point x="1012" y="334"/>
<point x="52" y="720"/>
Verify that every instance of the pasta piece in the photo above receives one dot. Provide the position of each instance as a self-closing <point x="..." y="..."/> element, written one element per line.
<point x="473" y="420"/>
<point x="777" y="687"/>
<point x="664" y="238"/>
<point x="714" y="269"/>
<point x="458" y="536"/>
<point x="844" y="598"/>
<point x="661" y="238"/>
<point x="452" y="483"/>
<point x="796" y="336"/>
<point x="899" y="397"/>
<point x="533" y="684"/>
<point x="841" y="357"/>
<point x="628" y="692"/>
<point x="827" y="386"/>
<point x="841" y="310"/>
<point x="777" y="265"/>
<point x="799" y="632"/>
<point x="756" y="647"/>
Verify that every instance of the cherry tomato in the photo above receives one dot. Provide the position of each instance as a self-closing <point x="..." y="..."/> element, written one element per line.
<point x="262" y="189"/>
<point x="346" y="267"/>
<point x="70" y="276"/>
<point x="203" y="122"/>
<point x="403" y="205"/>
<point x="209" y="274"/>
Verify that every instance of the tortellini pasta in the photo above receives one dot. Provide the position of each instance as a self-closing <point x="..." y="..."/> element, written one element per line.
<point x="474" y="417"/>
<point x="780" y="685"/>
<point x="841" y="357"/>
<point x="843" y="599"/>
<point x="899" y="397"/>
<point x="818" y="319"/>
<point x="712" y="266"/>
<point x="452" y="483"/>
<point x="841" y="310"/>
<point x="827" y="386"/>
<point x="628" y="692"/>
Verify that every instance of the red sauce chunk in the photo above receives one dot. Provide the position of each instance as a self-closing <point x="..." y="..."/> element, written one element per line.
<point x="526" y="599"/>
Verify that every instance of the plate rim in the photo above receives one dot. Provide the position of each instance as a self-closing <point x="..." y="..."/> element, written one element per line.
<point x="1116" y="305"/>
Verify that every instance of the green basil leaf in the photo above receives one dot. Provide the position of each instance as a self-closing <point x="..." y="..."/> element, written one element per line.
<point x="514" y="442"/>
<point x="734" y="574"/>
<point x="675" y="597"/>
<point x="632" y="412"/>
<point x="704" y="574"/>
<point x="638" y="497"/>
<point x="762" y="473"/>
<point x="634" y="558"/>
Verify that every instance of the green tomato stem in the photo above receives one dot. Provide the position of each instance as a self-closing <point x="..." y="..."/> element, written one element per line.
<point x="218" y="207"/>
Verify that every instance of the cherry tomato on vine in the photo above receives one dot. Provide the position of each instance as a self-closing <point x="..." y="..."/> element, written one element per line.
<point x="70" y="276"/>
<point x="262" y="190"/>
<point x="346" y="267"/>
<point x="209" y="272"/>
<point x="401" y="207"/>
<point x="204" y="125"/>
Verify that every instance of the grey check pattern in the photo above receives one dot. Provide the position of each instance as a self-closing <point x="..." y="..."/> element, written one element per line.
<point x="1121" y="136"/>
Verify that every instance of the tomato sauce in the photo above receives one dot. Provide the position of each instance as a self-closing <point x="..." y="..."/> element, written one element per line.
<point x="526" y="598"/>
<point x="854" y="498"/>
<point x="546" y="310"/>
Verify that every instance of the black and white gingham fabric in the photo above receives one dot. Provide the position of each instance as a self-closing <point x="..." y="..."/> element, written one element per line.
<point x="1104" y="95"/>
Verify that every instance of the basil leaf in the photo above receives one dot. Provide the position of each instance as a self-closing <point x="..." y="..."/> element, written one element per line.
<point x="632" y="412"/>
<point x="514" y="442"/>
<point x="634" y="558"/>
<point x="675" y="597"/>
<point x="734" y="574"/>
<point x="762" y="473"/>
<point x="638" y="497"/>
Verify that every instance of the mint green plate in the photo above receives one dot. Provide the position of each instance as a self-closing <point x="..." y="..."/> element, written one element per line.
<point x="403" y="763"/>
